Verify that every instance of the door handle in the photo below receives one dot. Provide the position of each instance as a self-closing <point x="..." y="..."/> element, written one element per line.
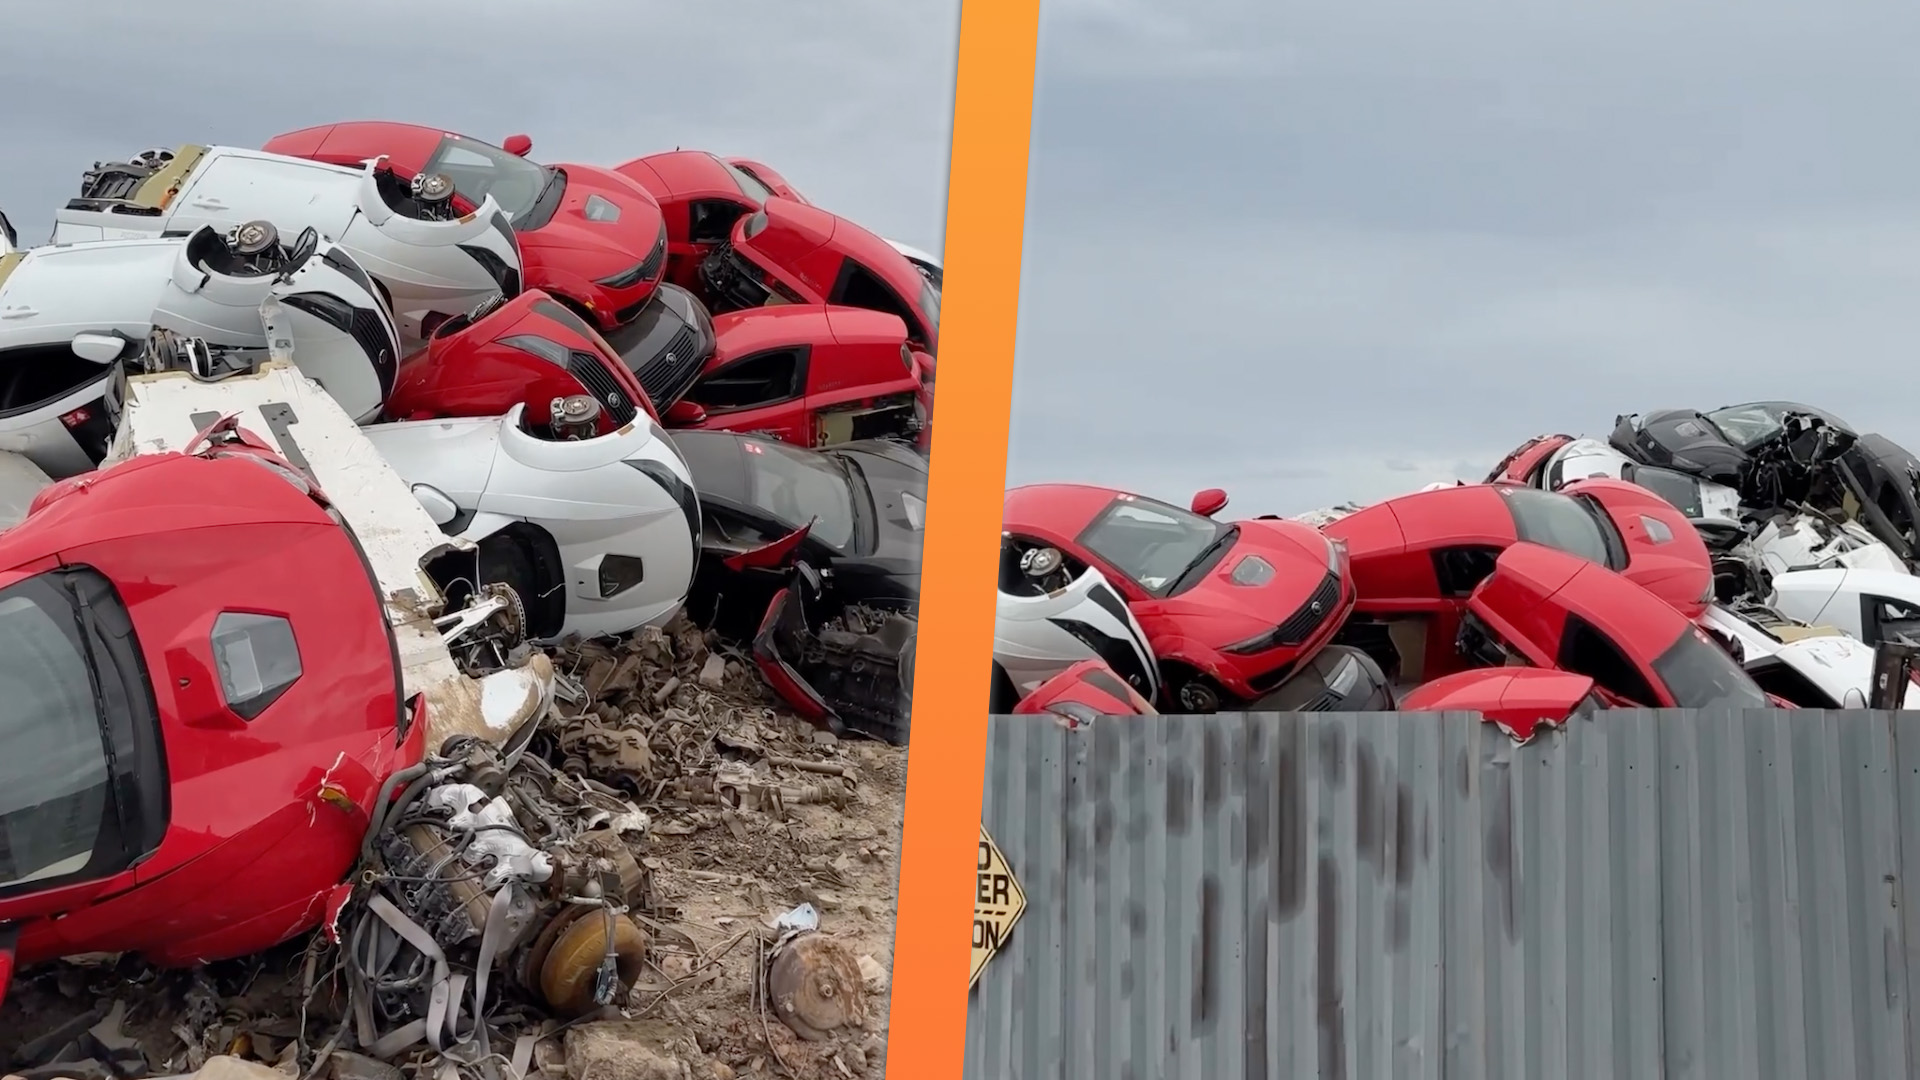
<point x="210" y="204"/>
<point x="18" y="311"/>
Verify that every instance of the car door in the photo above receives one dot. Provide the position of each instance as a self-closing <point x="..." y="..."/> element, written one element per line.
<point x="860" y="391"/>
<point x="762" y="392"/>
<point x="858" y="286"/>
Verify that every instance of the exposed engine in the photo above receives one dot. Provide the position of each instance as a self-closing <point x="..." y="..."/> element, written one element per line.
<point x="732" y="282"/>
<point x="117" y="181"/>
<point x="858" y="658"/>
<point x="494" y="885"/>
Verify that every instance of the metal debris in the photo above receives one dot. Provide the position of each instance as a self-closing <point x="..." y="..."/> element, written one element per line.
<point x="662" y="738"/>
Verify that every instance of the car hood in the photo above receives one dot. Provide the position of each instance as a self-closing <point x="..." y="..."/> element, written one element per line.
<point x="604" y="217"/>
<point x="1219" y="610"/>
<point x="1681" y="439"/>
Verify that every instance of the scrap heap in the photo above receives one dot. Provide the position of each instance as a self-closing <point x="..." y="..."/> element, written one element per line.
<point x="667" y="876"/>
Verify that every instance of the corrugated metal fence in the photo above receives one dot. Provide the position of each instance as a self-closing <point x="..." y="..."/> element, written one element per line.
<point x="1657" y="894"/>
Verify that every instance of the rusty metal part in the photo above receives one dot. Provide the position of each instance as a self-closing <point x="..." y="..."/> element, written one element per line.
<point x="572" y="965"/>
<point x="433" y="848"/>
<point x="618" y="756"/>
<point x="815" y="986"/>
<point x="601" y="857"/>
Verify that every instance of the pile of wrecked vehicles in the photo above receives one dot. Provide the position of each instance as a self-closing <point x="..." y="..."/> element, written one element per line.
<point x="1759" y="555"/>
<point x="294" y="526"/>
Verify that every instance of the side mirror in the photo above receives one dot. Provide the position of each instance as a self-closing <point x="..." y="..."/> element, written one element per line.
<point x="1210" y="502"/>
<point x="435" y="502"/>
<point x="517" y="145"/>
<point x="99" y="348"/>
<point x="683" y="413"/>
<point x="9" y="239"/>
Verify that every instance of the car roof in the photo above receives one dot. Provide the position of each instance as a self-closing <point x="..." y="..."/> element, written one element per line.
<point x="1063" y="509"/>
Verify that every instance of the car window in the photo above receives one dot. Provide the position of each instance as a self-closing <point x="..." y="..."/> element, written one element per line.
<point x="1584" y="650"/>
<point x="479" y="170"/>
<point x="1149" y="541"/>
<point x="930" y="300"/>
<point x="710" y="221"/>
<point x="54" y="772"/>
<point x="862" y="288"/>
<point x="1678" y="489"/>
<point x="1700" y="675"/>
<point x="749" y="184"/>
<point x="798" y="485"/>
<point x="1746" y="426"/>
<point x="752" y="381"/>
<point x="1565" y="523"/>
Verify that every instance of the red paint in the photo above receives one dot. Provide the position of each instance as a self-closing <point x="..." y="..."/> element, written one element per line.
<point x="1089" y="685"/>
<point x="770" y="178"/>
<point x="471" y="370"/>
<point x="1195" y="626"/>
<point x="690" y="185"/>
<point x="1535" y="592"/>
<point x="768" y="556"/>
<point x="567" y="256"/>
<point x="1396" y="547"/>
<point x="1527" y="459"/>
<point x="264" y="817"/>
<point x="1515" y="699"/>
<point x="784" y="680"/>
<point x="851" y="357"/>
<point x="804" y="250"/>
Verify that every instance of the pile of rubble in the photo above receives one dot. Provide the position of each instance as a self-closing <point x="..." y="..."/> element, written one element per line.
<point x="668" y="877"/>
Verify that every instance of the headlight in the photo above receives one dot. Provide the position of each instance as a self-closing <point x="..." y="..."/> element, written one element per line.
<point x="1336" y="553"/>
<point x="1269" y="639"/>
<point x="1341" y="682"/>
<point x="628" y="278"/>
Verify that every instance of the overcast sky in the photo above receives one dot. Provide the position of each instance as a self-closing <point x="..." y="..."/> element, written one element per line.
<point x="851" y="100"/>
<point x="1312" y="253"/>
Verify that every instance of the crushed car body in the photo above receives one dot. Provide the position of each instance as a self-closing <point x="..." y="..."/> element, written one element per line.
<point x="431" y="261"/>
<point x="78" y="314"/>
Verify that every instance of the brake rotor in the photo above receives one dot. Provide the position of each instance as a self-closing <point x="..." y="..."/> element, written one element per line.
<point x="253" y="237"/>
<point x="572" y="964"/>
<point x="434" y="189"/>
<point x="508" y="626"/>
<point x="1039" y="562"/>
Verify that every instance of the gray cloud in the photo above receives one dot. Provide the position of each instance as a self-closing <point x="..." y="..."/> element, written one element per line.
<point x="852" y="101"/>
<point x="1330" y="252"/>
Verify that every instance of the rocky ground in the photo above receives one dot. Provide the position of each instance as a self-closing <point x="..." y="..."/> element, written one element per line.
<point x="752" y="814"/>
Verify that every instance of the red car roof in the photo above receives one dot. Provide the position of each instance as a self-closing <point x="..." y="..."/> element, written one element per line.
<point x="1062" y="509"/>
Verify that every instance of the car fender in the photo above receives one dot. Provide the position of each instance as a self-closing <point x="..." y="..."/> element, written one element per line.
<point x="1037" y="637"/>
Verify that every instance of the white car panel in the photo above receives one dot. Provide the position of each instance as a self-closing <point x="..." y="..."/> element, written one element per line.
<point x="422" y="264"/>
<point x="608" y="495"/>
<point x="1032" y="647"/>
<point x="128" y="288"/>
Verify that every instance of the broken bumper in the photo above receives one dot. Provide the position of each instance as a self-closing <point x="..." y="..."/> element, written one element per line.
<point x="852" y="673"/>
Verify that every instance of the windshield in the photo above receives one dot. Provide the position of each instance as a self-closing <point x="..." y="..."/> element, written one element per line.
<point x="479" y="170"/>
<point x="53" y="764"/>
<point x="749" y="185"/>
<point x="798" y="485"/>
<point x="930" y="303"/>
<point x="1747" y="426"/>
<point x="1679" y="489"/>
<point x="1700" y="675"/>
<point x="1565" y="523"/>
<point x="1151" y="542"/>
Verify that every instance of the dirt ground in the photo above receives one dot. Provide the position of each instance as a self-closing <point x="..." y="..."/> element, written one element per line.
<point x="722" y="875"/>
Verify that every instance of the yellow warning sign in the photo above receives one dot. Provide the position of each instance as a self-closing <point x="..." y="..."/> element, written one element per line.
<point x="997" y="904"/>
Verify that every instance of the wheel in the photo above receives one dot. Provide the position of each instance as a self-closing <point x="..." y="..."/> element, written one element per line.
<point x="1196" y="694"/>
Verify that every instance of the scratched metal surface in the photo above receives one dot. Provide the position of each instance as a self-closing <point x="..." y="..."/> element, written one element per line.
<point x="1369" y="896"/>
